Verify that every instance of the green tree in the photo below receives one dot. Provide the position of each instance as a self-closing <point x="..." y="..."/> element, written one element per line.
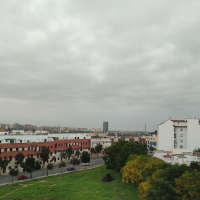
<point x="104" y="158"/>
<point x="19" y="158"/>
<point x="13" y="172"/>
<point x="98" y="148"/>
<point x="126" y="151"/>
<point x="45" y="154"/>
<point x="49" y="167"/>
<point x="163" y="183"/>
<point x="3" y="163"/>
<point x="187" y="186"/>
<point x="85" y="157"/>
<point x="37" y="165"/>
<point x="78" y="153"/>
<point x="69" y="152"/>
<point x="75" y="161"/>
<point x="61" y="165"/>
<point x="113" y="152"/>
<point x="29" y="165"/>
<point x="152" y="148"/>
<point x="53" y="159"/>
<point x="63" y="155"/>
<point x="92" y="150"/>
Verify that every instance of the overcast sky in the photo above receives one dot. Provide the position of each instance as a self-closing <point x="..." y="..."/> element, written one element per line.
<point x="81" y="62"/>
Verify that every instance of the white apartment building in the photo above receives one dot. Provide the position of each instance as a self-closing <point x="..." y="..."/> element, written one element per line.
<point x="184" y="134"/>
<point x="106" y="142"/>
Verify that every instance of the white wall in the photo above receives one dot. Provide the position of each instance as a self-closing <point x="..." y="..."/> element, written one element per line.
<point x="193" y="135"/>
<point x="106" y="142"/>
<point x="166" y="135"/>
<point x="69" y="135"/>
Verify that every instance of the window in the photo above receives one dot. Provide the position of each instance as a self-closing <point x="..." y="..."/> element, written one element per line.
<point x="22" y="149"/>
<point x="5" y="150"/>
<point x="37" y="155"/>
<point x="27" y="155"/>
<point x="181" y="129"/>
<point x="10" y="158"/>
<point x="181" y="140"/>
<point x="181" y="146"/>
<point x="28" y="148"/>
<point x="16" y="149"/>
<point x="10" y="149"/>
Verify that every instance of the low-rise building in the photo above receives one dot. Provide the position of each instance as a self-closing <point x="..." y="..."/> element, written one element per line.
<point x="31" y="144"/>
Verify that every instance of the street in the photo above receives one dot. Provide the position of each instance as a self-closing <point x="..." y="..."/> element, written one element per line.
<point x="41" y="172"/>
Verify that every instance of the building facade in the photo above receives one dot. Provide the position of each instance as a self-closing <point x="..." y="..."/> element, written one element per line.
<point x="182" y="134"/>
<point x="105" y="127"/>
<point x="31" y="144"/>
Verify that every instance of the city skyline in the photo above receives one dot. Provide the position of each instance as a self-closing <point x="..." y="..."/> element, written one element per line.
<point x="78" y="63"/>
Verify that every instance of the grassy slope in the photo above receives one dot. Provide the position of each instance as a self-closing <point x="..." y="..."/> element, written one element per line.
<point x="72" y="186"/>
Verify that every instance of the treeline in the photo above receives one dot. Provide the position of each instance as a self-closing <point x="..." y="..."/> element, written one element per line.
<point x="155" y="179"/>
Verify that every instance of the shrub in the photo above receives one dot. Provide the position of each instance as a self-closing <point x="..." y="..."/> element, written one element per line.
<point x="107" y="178"/>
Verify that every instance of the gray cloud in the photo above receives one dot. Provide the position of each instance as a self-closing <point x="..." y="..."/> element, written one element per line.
<point x="82" y="62"/>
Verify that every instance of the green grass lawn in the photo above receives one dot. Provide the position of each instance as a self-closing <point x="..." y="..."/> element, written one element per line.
<point x="73" y="186"/>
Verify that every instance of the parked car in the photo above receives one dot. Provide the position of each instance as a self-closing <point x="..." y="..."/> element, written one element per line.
<point x="70" y="169"/>
<point x="85" y="164"/>
<point x="22" y="177"/>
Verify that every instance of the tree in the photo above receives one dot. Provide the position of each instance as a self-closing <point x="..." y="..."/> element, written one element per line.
<point x="63" y="155"/>
<point x="78" y="153"/>
<point x="62" y="164"/>
<point x="3" y="163"/>
<point x="92" y="150"/>
<point x="163" y="182"/>
<point x="45" y="154"/>
<point x="53" y="159"/>
<point x="113" y="152"/>
<point x="49" y="167"/>
<point x="187" y="186"/>
<point x="75" y="161"/>
<point x="104" y="158"/>
<point x="85" y="157"/>
<point x="126" y="151"/>
<point x="152" y="148"/>
<point x="29" y="165"/>
<point x="69" y="152"/>
<point x="37" y="165"/>
<point x="98" y="148"/>
<point x="19" y="158"/>
<point x="13" y="172"/>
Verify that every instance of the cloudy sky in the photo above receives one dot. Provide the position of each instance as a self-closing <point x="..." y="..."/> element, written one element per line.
<point x="79" y="63"/>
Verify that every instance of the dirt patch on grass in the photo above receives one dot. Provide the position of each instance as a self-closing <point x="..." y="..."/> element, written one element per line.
<point x="60" y="178"/>
<point x="42" y="181"/>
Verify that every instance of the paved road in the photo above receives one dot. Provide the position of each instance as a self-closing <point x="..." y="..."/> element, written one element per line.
<point x="39" y="173"/>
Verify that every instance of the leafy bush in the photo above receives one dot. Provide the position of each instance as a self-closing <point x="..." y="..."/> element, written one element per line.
<point x="107" y="178"/>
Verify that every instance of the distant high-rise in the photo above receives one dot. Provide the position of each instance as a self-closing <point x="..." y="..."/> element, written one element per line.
<point x="105" y="127"/>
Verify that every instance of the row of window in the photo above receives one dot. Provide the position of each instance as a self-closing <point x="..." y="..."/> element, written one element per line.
<point x="34" y="148"/>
